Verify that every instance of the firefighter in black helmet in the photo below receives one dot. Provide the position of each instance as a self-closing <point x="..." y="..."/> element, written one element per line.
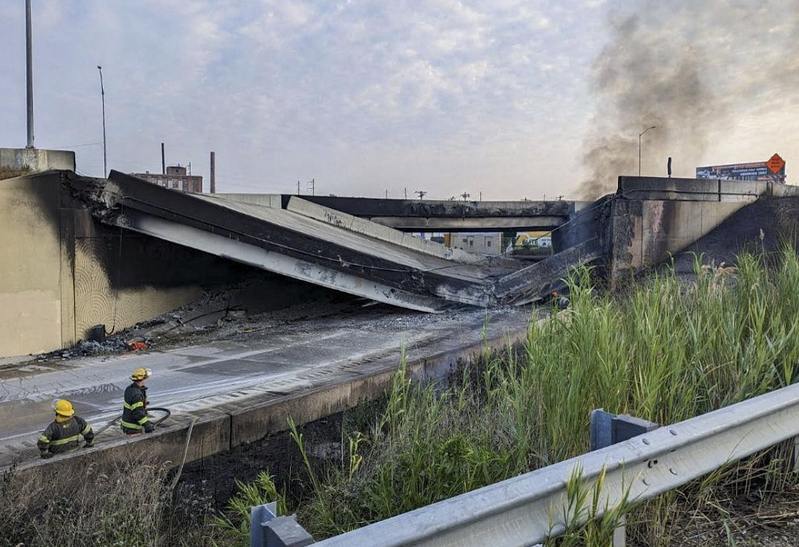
<point x="134" y="412"/>
<point x="63" y="434"/>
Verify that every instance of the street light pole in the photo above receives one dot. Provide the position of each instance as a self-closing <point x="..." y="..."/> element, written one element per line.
<point x="29" y="66"/>
<point x="639" y="146"/>
<point x="102" y="95"/>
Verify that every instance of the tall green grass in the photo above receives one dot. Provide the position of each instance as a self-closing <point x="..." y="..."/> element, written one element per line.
<point x="665" y="351"/>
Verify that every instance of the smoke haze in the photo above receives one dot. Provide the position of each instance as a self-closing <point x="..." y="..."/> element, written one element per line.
<point x="691" y="69"/>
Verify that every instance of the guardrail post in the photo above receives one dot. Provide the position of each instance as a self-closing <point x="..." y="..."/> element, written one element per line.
<point x="286" y="532"/>
<point x="608" y="429"/>
<point x="796" y="454"/>
<point x="269" y="530"/>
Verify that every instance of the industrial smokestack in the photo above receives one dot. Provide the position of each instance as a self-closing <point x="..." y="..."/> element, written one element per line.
<point x="163" y="160"/>
<point x="668" y="166"/>
<point x="29" y="60"/>
<point x="213" y="173"/>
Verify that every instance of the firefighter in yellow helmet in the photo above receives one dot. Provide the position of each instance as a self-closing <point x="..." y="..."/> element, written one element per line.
<point x="134" y="412"/>
<point x="63" y="435"/>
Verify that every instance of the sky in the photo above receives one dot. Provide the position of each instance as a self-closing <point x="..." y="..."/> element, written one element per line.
<point x="499" y="99"/>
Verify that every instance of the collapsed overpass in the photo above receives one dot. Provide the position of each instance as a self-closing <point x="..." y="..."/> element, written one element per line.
<point x="294" y="237"/>
<point x="78" y="252"/>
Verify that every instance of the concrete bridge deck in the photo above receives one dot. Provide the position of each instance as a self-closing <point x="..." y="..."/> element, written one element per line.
<point x="423" y="276"/>
<point x="240" y="390"/>
<point x="441" y="215"/>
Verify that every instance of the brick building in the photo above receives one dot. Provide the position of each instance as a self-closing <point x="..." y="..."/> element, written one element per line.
<point x="174" y="179"/>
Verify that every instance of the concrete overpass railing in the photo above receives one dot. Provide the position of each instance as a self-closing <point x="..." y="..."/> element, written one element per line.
<point x="658" y="188"/>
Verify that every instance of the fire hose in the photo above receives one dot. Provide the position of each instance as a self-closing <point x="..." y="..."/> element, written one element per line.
<point x="166" y="411"/>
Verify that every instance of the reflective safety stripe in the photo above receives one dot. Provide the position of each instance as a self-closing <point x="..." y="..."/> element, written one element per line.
<point x="72" y="439"/>
<point x="134" y="406"/>
<point x="143" y="420"/>
<point x="86" y="430"/>
<point x="130" y="425"/>
<point x="43" y="439"/>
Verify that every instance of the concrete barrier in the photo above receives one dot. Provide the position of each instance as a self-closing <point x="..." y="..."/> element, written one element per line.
<point x="678" y="189"/>
<point x="210" y="435"/>
<point x="252" y="420"/>
<point x="37" y="159"/>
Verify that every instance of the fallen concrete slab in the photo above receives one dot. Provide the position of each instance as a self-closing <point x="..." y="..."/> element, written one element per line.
<point x="534" y="283"/>
<point x="295" y="245"/>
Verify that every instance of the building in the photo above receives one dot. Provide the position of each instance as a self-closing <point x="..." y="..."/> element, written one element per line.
<point x="530" y="244"/>
<point x="533" y="239"/>
<point x="485" y="243"/>
<point x="174" y="179"/>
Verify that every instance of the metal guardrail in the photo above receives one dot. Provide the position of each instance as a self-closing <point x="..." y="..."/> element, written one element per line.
<point x="269" y="530"/>
<point x="527" y="509"/>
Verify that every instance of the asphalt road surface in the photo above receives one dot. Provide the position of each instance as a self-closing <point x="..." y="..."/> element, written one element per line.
<point x="186" y="379"/>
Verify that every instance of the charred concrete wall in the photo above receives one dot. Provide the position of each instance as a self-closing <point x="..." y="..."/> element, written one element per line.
<point x="35" y="269"/>
<point x="647" y="232"/>
<point x="113" y="281"/>
<point x="62" y="272"/>
<point x="652" y="219"/>
<point x="589" y="221"/>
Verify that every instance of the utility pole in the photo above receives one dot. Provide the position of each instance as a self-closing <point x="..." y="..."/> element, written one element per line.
<point x="298" y="188"/>
<point x="102" y="97"/>
<point x="163" y="160"/>
<point x="311" y="186"/>
<point x="29" y="63"/>
<point x="421" y="194"/>
<point x="213" y="172"/>
<point x="406" y="193"/>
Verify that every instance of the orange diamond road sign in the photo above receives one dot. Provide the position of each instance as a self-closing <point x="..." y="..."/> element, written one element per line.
<point x="775" y="163"/>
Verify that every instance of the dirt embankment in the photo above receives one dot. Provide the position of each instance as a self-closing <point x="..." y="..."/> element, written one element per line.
<point x="763" y="226"/>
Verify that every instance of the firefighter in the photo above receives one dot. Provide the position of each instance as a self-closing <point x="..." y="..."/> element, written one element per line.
<point x="134" y="413"/>
<point x="63" y="435"/>
<point x="559" y="301"/>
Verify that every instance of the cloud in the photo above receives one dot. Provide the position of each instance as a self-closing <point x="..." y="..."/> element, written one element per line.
<point x="365" y="95"/>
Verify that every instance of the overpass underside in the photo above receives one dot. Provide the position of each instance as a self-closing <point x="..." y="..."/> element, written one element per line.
<point x="408" y="215"/>
<point x="308" y="242"/>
